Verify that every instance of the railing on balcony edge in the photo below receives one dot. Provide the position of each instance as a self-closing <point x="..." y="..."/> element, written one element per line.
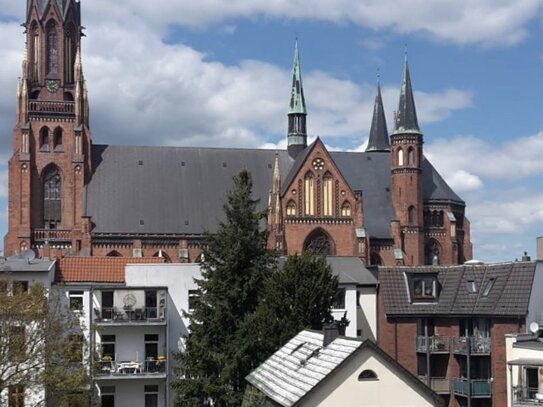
<point x="114" y="315"/>
<point x="132" y="368"/>
<point x="478" y="345"/>
<point x="526" y="396"/>
<point x="48" y="108"/>
<point x="441" y="385"/>
<point x="434" y="344"/>
<point x="479" y="387"/>
<point x="51" y="235"/>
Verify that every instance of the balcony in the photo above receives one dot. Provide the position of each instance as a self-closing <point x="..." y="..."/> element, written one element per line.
<point x="477" y="345"/>
<point x="441" y="385"/>
<point x="526" y="396"/>
<point x="480" y="388"/>
<point x="38" y="108"/>
<point x="51" y="235"/>
<point x="433" y="344"/>
<point x="148" y="369"/>
<point x="130" y="315"/>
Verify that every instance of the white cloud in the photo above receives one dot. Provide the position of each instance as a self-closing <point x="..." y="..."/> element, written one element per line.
<point x="3" y="181"/>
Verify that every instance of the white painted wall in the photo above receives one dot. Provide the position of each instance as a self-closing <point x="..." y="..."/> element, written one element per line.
<point x="363" y="316"/>
<point x="130" y="393"/>
<point x="535" y="306"/>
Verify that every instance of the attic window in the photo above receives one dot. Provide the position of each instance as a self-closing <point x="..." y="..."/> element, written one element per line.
<point x="488" y="286"/>
<point x="140" y="162"/>
<point x="423" y="287"/>
<point x="471" y="286"/>
<point x="297" y="347"/>
<point x="367" y="374"/>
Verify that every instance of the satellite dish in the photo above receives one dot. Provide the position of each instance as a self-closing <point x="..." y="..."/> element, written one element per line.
<point x="534" y="327"/>
<point x="28" y="255"/>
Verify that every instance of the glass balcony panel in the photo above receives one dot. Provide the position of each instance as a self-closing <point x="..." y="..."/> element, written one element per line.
<point x="435" y="344"/>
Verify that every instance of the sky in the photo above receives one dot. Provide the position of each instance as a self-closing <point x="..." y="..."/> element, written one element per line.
<point x="217" y="73"/>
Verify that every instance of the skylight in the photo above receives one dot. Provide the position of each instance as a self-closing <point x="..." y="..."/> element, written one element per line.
<point x="488" y="286"/>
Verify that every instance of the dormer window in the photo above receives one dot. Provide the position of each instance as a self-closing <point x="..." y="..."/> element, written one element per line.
<point x="423" y="287"/>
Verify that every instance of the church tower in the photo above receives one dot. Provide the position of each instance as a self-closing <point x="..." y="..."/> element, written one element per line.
<point x="297" y="113"/>
<point x="406" y="160"/>
<point x="51" y="159"/>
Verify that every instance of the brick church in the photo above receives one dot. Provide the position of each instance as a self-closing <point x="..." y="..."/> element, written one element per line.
<point x="69" y="196"/>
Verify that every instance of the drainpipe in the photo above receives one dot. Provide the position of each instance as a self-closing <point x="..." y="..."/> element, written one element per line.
<point x="468" y="356"/>
<point x="91" y="342"/>
<point x="428" y="380"/>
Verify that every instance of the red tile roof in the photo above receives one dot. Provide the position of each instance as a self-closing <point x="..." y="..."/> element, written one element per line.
<point x="97" y="269"/>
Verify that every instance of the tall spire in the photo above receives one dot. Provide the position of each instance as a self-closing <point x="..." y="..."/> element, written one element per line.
<point x="378" y="140"/>
<point x="297" y="132"/>
<point x="406" y="117"/>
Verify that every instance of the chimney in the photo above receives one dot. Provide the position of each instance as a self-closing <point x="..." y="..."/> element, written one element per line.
<point x="525" y="257"/>
<point x="330" y="332"/>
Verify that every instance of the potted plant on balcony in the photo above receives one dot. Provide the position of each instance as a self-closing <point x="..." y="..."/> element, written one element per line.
<point x="160" y="363"/>
<point x="106" y="365"/>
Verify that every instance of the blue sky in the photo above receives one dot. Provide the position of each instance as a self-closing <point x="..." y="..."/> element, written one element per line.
<point x="215" y="73"/>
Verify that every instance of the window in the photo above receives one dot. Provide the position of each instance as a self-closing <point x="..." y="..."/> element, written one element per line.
<point x="151" y="395"/>
<point x="69" y="54"/>
<point x="75" y="348"/>
<point x="319" y="243"/>
<point x="424" y="287"/>
<point x="16" y="344"/>
<point x="194" y="297"/>
<point x="432" y="253"/>
<point x="400" y="157"/>
<point x="44" y="139"/>
<point x="52" y="53"/>
<point x="51" y="198"/>
<point x="309" y="191"/>
<point x="291" y="208"/>
<point x="411" y="215"/>
<point x="35" y="52"/>
<point x="471" y="286"/>
<point x="76" y="300"/>
<point x="57" y="139"/>
<point x="16" y="396"/>
<point x="108" y="396"/>
<point x="367" y="375"/>
<point x="327" y="195"/>
<point x="108" y="346"/>
<point x="20" y="287"/>
<point x="411" y="156"/>
<point x="339" y="302"/>
<point x="346" y="209"/>
<point x="488" y="286"/>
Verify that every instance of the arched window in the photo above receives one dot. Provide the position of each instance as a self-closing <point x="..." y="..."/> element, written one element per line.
<point x="291" y="208"/>
<point x="411" y="156"/>
<point x="411" y="215"/>
<point x="114" y="253"/>
<point x="432" y="253"/>
<point x="164" y="255"/>
<point x="319" y="243"/>
<point x="69" y="54"/>
<point x="57" y="139"/>
<point x="346" y="209"/>
<point x="52" y="198"/>
<point x="327" y="194"/>
<point x="309" y="194"/>
<point x="52" y="49"/>
<point x="44" y="139"/>
<point x="367" y="374"/>
<point x="34" y="52"/>
<point x="400" y="157"/>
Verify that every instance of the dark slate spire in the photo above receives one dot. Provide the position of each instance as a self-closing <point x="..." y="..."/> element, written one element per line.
<point x="406" y="117"/>
<point x="378" y="140"/>
<point x="297" y="131"/>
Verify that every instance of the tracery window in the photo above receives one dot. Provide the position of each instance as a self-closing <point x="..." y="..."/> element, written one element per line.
<point x="52" y="198"/>
<point x="346" y="209"/>
<point x="69" y="55"/>
<point x="327" y="195"/>
<point x="291" y="208"/>
<point x="35" y="52"/>
<point x="309" y="194"/>
<point x="319" y="243"/>
<point x="52" y="51"/>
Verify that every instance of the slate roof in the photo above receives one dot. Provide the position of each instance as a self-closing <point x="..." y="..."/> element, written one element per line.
<point x="378" y="139"/>
<point x="63" y="7"/>
<point x="181" y="190"/>
<point x="97" y="269"/>
<point x="303" y="364"/>
<point x="351" y="270"/>
<point x="509" y="296"/>
<point x="11" y="265"/>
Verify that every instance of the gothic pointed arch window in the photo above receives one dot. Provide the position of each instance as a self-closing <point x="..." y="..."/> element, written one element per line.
<point x="327" y="194"/>
<point x="164" y="255"/>
<point x="346" y="209"/>
<point x="69" y="54"/>
<point x="411" y="156"/>
<point x="52" y="50"/>
<point x="114" y="253"/>
<point x="432" y="253"/>
<point x="309" y="194"/>
<point x="34" y="52"/>
<point x="291" y="208"/>
<point x="44" y="139"/>
<point x="57" y="139"/>
<point x="400" y="157"/>
<point x="319" y="243"/>
<point x="411" y="215"/>
<point x="52" y="200"/>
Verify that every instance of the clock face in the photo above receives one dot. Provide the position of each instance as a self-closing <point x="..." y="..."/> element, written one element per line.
<point x="52" y="86"/>
<point x="318" y="164"/>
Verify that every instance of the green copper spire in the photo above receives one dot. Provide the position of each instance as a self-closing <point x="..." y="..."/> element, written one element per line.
<point x="297" y="131"/>
<point x="297" y="101"/>
<point x="406" y="117"/>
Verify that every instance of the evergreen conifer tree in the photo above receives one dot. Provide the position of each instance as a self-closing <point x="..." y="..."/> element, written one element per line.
<point x="235" y="265"/>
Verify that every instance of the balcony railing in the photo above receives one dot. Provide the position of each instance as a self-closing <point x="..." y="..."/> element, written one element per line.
<point x="43" y="108"/>
<point x="527" y="396"/>
<point x="116" y="315"/>
<point x="433" y="344"/>
<point x="130" y="368"/>
<point x="51" y="235"/>
<point x="441" y="385"/>
<point x="478" y="345"/>
<point x="479" y="387"/>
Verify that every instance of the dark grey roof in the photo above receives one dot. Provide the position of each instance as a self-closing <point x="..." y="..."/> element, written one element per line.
<point x="378" y="140"/>
<point x="170" y="197"/>
<point x="351" y="270"/>
<point x="11" y="265"/>
<point x="406" y="116"/>
<point x="62" y="5"/>
<point x="509" y="296"/>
